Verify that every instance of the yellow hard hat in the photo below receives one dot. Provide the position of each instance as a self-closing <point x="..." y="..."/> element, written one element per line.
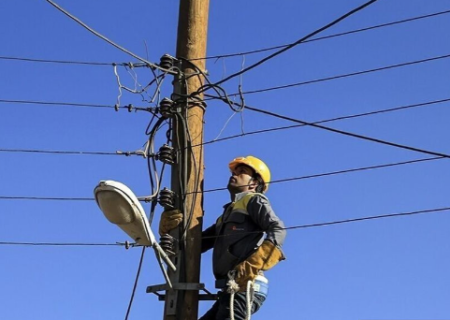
<point x="257" y="165"/>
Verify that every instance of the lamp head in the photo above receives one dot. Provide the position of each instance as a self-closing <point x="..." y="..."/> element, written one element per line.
<point x="121" y="207"/>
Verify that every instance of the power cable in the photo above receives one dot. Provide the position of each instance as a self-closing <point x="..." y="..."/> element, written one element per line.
<point x="416" y="105"/>
<point x="346" y="133"/>
<point x="345" y="171"/>
<point x="89" y="63"/>
<point x="350" y="134"/>
<point x="323" y="224"/>
<point x="57" y="103"/>
<point x="135" y="283"/>
<point x="331" y="173"/>
<point x="335" y="35"/>
<point x="45" y="198"/>
<point x="129" y="107"/>
<point x="97" y="153"/>
<point x="364" y="114"/>
<point x="229" y="55"/>
<point x="383" y="216"/>
<point x="347" y="75"/>
<point x="295" y="43"/>
<point x="150" y="64"/>
<point x="58" y="244"/>
<point x="304" y="226"/>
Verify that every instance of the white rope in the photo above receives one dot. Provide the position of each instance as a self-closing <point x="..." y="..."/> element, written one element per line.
<point x="250" y="292"/>
<point x="233" y="288"/>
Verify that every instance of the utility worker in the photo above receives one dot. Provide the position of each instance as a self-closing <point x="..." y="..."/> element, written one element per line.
<point x="240" y="250"/>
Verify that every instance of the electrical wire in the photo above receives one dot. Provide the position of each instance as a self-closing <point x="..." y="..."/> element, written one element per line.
<point x="129" y="107"/>
<point x="97" y="153"/>
<point x="58" y="103"/>
<point x="347" y="75"/>
<point x="345" y="171"/>
<point x="61" y="244"/>
<point x="187" y="146"/>
<point x="350" y="134"/>
<point x="342" y="132"/>
<point x="224" y="96"/>
<point x="138" y="273"/>
<point x="150" y="64"/>
<point x="382" y="216"/>
<point x="364" y="114"/>
<point x="45" y="198"/>
<point x="271" y="56"/>
<point x="304" y="226"/>
<point x="318" y="175"/>
<point x="370" y="113"/>
<point x="229" y="55"/>
<point x="155" y="187"/>
<point x="335" y="35"/>
<point x="323" y="224"/>
<point x="89" y="63"/>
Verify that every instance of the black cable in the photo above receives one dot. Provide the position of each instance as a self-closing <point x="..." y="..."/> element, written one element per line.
<point x="370" y="113"/>
<point x="350" y="134"/>
<point x="65" y="61"/>
<point x="238" y="135"/>
<point x="335" y="35"/>
<point x="322" y="224"/>
<point x="45" y="198"/>
<point x="391" y="215"/>
<point x="332" y="173"/>
<point x="272" y="182"/>
<point x="97" y="153"/>
<point x="78" y="244"/>
<point x="196" y="182"/>
<point x="297" y="42"/>
<point x="304" y="226"/>
<point x="130" y="107"/>
<point x="135" y="283"/>
<point x="150" y="64"/>
<point x="188" y="147"/>
<point x="347" y="75"/>
<point x="58" y="103"/>
<point x="151" y="167"/>
<point x="346" y="133"/>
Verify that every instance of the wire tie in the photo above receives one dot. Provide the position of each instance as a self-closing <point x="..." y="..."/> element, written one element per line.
<point x="116" y="107"/>
<point x="127" y="244"/>
<point x="147" y="199"/>
<point x="140" y="153"/>
<point x="130" y="65"/>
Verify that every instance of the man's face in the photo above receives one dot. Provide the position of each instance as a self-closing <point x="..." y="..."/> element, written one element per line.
<point x="240" y="179"/>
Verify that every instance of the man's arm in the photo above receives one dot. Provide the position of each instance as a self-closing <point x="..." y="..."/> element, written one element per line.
<point x="208" y="238"/>
<point x="263" y="215"/>
<point x="269" y="253"/>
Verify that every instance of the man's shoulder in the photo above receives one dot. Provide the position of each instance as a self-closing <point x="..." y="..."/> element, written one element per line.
<point x="255" y="197"/>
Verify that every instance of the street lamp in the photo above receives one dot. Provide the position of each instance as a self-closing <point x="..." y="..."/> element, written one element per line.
<point x="121" y="207"/>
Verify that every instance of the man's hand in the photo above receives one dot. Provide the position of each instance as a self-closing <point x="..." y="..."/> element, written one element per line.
<point x="169" y="220"/>
<point x="265" y="258"/>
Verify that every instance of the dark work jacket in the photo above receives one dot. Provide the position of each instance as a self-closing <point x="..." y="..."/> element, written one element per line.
<point x="239" y="231"/>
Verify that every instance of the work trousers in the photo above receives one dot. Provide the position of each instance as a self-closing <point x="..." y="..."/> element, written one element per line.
<point x="221" y="308"/>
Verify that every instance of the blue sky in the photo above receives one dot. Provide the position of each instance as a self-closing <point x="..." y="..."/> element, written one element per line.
<point x="392" y="268"/>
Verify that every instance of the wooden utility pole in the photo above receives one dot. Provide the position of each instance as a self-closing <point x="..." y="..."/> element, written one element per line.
<point x="191" y="44"/>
